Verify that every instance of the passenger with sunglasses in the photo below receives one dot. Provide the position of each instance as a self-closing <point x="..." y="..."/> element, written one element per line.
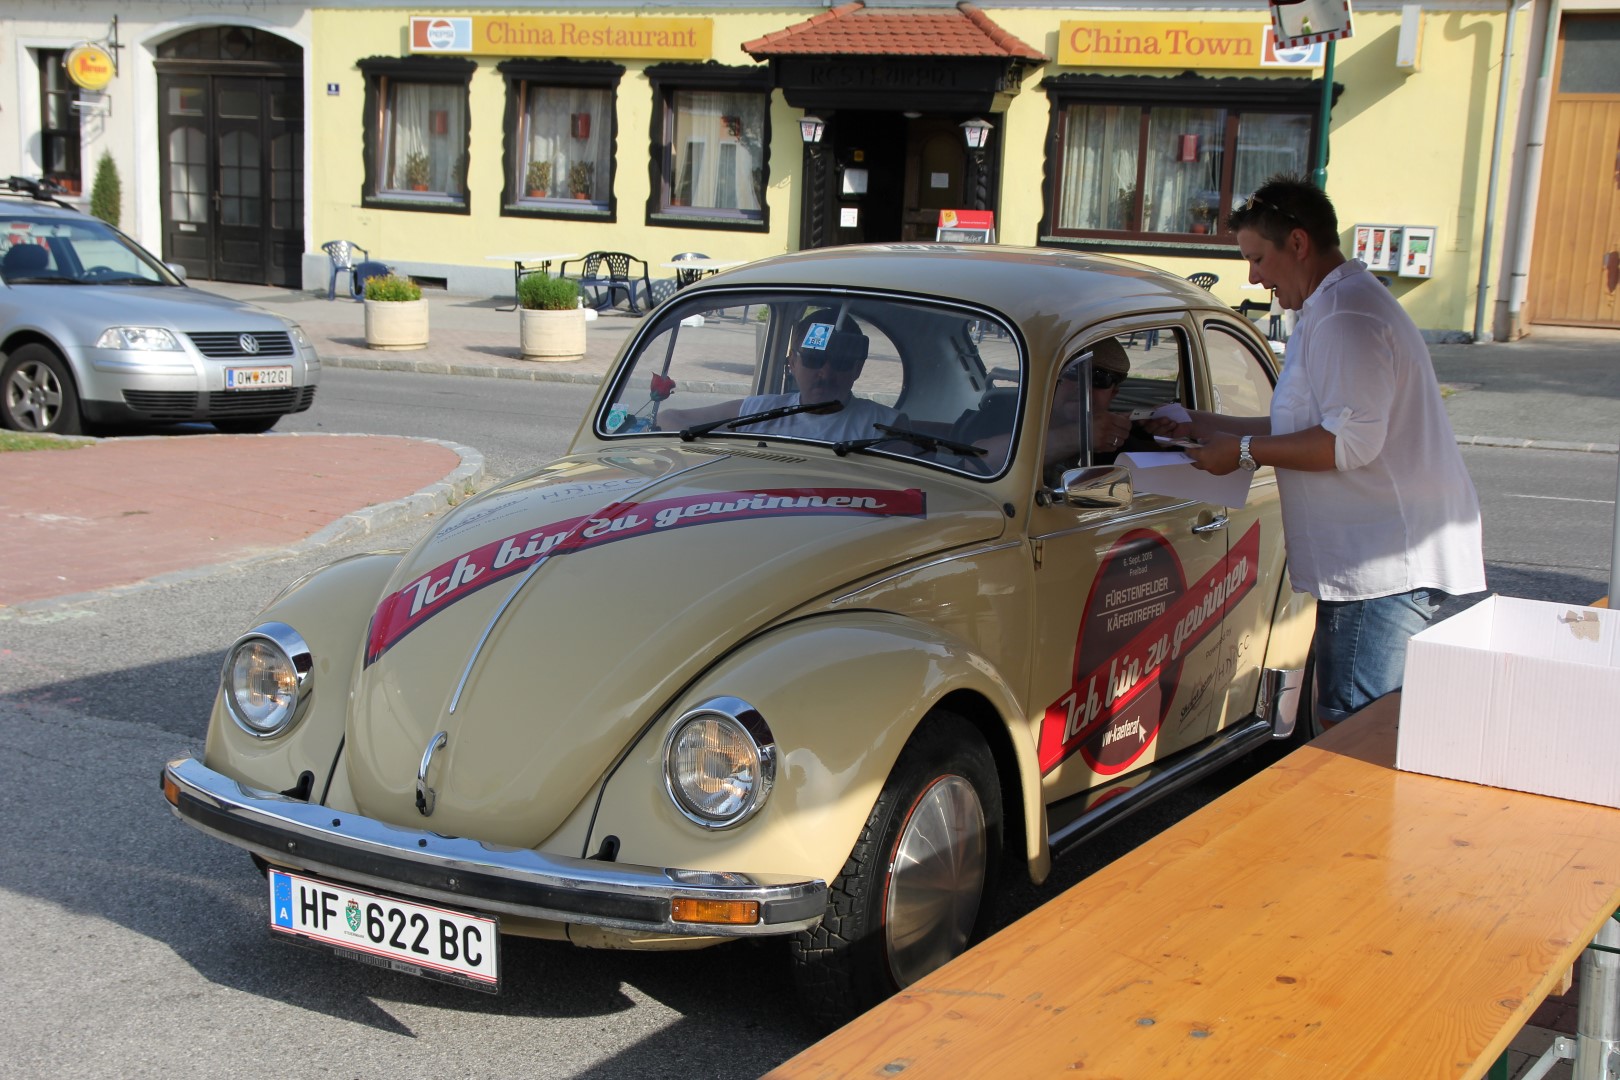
<point x="825" y="360"/>
<point x="1111" y="432"/>
<point x="1380" y="517"/>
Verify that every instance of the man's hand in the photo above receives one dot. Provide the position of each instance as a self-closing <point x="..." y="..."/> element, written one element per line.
<point x="1109" y="431"/>
<point x="1218" y="456"/>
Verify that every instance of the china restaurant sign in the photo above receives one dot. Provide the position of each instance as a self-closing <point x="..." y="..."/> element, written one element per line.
<point x="600" y="36"/>
<point x="1131" y="43"/>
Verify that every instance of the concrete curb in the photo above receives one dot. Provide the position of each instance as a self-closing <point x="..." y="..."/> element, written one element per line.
<point x="533" y="373"/>
<point x="1537" y="444"/>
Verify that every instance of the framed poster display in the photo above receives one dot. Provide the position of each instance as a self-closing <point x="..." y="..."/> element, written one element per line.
<point x="966" y="227"/>
<point x="1417" y="251"/>
<point x="1376" y="245"/>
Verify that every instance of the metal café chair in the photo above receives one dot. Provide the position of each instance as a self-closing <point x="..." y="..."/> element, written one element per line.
<point x="683" y="276"/>
<point x="609" y="273"/>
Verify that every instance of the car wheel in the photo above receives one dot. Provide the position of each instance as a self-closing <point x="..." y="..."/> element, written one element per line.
<point x="245" y="425"/>
<point x="1306" y="724"/>
<point x="37" y="394"/>
<point x="913" y="893"/>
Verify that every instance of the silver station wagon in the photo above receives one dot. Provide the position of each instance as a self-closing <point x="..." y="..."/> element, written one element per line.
<point x="830" y="617"/>
<point x="96" y="331"/>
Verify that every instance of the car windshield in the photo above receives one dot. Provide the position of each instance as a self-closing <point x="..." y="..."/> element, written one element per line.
<point x="64" y="251"/>
<point x="920" y="380"/>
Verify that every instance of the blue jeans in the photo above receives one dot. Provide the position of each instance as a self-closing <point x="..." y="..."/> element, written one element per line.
<point x="1361" y="647"/>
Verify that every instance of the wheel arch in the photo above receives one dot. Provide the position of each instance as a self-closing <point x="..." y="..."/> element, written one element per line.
<point x="1023" y="811"/>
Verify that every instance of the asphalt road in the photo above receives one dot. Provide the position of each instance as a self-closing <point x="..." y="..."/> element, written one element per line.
<point x="135" y="946"/>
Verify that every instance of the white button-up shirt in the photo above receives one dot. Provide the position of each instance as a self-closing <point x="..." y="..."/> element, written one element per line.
<point x="1398" y="512"/>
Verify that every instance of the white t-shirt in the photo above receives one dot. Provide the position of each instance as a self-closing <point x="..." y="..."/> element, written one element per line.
<point x="854" y="421"/>
<point x="1399" y="511"/>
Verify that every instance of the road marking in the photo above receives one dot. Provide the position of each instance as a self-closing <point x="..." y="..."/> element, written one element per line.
<point x="1563" y="498"/>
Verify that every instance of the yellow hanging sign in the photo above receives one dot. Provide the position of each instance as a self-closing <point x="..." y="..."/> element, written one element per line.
<point x="89" y="66"/>
<point x="604" y="36"/>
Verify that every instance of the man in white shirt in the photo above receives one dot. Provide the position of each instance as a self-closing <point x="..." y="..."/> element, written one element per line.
<point x="825" y="361"/>
<point x="1380" y="517"/>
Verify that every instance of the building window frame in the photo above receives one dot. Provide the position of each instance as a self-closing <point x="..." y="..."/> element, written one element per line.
<point x="59" y="123"/>
<point x="1225" y="104"/>
<point x="526" y="78"/>
<point x="674" y="83"/>
<point x="384" y="185"/>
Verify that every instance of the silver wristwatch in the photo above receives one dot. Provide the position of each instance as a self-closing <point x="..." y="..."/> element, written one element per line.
<point x="1245" y="459"/>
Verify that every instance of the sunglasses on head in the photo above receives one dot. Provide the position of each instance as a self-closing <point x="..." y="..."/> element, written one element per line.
<point x="1257" y="203"/>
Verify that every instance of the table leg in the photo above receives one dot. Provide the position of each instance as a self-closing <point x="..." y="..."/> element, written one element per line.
<point x="517" y="276"/>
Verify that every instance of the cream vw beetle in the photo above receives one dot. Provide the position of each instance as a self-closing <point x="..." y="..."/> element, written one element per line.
<point x="743" y="664"/>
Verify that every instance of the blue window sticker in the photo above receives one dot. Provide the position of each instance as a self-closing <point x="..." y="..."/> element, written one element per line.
<point x="817" y="336"/>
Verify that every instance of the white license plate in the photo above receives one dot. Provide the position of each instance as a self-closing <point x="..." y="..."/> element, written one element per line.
<point x="257" y="378"/>
<point x="418" y="939"/>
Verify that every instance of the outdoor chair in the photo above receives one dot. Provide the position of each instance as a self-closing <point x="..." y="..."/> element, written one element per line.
<point x="683" y="278"/>
<point x="1204" y="279"/>
<point x="342" y="253"/>
<point x="607" y="274"/>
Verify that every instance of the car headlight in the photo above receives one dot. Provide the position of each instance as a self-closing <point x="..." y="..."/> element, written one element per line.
<point x="300" y="338"/>
<point x="266" y="679"/>
<point x="720" y="762"/>
<point x="138" y="338"/>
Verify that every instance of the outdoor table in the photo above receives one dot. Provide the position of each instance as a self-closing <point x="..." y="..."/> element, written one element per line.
<point x="698" y="267"/>
<point x="1330" y="917"/>
<point x="529" y="262"/>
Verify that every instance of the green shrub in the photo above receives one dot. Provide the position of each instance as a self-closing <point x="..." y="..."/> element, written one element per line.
<point x="542" y="292"/>
<point x="106" y="193"/>
<point x="392" y="287"/>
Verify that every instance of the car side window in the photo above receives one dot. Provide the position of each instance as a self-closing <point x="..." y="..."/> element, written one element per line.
<point x="1131" y="373"/>
<point x="1240" y="380"/>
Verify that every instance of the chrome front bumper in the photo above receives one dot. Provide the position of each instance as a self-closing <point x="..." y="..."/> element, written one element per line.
<point x="485" y="877"/>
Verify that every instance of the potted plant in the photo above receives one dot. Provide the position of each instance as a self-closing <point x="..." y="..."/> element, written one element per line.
<point x="396" y="314"/>
<point x="580" y="175"/>
<point x="417" y="171"/>
<point x="551" y="321"/>
<point x="1202" y="215"/>
<point x="538" y="180"/>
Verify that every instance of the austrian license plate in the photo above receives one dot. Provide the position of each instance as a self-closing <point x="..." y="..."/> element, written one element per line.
<point x="257" y="378"/>
<point x="402" y="935"/>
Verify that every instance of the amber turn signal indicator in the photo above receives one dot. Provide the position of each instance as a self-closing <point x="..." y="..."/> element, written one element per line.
<point x="721" y="912"/>
<point x="171" y="790"/>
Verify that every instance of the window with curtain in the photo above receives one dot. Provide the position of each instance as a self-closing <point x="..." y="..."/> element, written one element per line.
<point x="58" y="123"/>
<point x="712" y="133"/>
<point x="1139" y="160"/>
<point x="416" y="139"/>
<point x="567" y="140"/>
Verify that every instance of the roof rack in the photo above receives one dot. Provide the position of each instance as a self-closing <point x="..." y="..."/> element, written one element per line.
<point x="44" y="190"/>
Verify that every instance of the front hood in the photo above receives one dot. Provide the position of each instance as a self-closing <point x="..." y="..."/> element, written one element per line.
<point x="542" y="624"/>
<point x="174" y="307"/>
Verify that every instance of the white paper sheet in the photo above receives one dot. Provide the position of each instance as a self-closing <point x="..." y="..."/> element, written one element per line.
<point x="1172" y="473"/>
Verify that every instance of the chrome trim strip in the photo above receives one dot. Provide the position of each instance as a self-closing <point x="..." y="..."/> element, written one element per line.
<point x="517" y="590"/>
<point x="898" y="574"/>
<point x="425" y="796"/>
<point x="1279" y="699"/>
<point x="486" y="877"/>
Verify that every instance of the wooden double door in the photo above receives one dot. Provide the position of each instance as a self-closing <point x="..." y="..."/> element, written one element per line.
<point x="232" y="159"/>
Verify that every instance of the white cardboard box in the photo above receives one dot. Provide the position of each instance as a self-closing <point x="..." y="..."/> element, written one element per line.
<point x="1518" y="694"/>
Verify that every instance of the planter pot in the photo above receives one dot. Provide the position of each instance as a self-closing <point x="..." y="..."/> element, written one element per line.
<point x="552" y="335"/>
<point x="1200" y="227"/>
<point x="397" y="324"/>
<point x="537" y="193"/>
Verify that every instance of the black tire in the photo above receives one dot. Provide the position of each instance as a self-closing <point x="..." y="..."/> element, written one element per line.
<point x="889" y="920"/>
<point x="1306" y="724"/>
<point x="37" y="393"/>
<point x="245" y="425"/>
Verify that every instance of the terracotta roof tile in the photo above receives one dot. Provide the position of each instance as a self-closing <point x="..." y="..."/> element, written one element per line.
<point x="851" y="30"/>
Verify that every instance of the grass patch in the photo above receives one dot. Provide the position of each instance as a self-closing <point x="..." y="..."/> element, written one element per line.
<point x="17" y="440"/>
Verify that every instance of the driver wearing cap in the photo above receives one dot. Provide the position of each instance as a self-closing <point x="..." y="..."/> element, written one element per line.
<point x="825" y="362"/>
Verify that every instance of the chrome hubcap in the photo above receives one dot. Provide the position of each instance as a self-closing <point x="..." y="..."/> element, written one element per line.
<point x="936" y="880"/>
<point x="34" y="397"/>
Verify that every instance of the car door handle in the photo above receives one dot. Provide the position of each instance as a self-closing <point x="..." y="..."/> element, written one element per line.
<point x="1214" y="525"/>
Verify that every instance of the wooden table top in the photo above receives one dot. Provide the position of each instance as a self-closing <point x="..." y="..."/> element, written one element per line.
<point x="1331" y="917"/>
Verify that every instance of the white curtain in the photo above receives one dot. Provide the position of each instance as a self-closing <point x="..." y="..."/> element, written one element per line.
<point x="717" y="150"/>
<point x="1185" y="149"/>
<point x="568" y="135"/>
<point x="427" y="123"/>
<point x="1268" y="144"/>
<point x="1098" y="181"/>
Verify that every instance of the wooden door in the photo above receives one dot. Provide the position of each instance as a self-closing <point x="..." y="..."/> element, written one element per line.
<point x="1575" y="267"/>
<point x="935" y="171"/>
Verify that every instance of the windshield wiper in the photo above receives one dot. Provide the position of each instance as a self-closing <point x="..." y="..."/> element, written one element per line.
<point x="922" y="440"/>
<point x="688" y="434"/>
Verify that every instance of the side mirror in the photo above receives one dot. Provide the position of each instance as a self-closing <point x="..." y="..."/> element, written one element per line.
<point x="176" y="269"/>
<point x="1097" y="487"/>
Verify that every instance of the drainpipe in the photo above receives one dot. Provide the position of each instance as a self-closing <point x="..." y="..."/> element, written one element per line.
<point x="1503" y="74"/>
<point x="1524" y="215"/>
